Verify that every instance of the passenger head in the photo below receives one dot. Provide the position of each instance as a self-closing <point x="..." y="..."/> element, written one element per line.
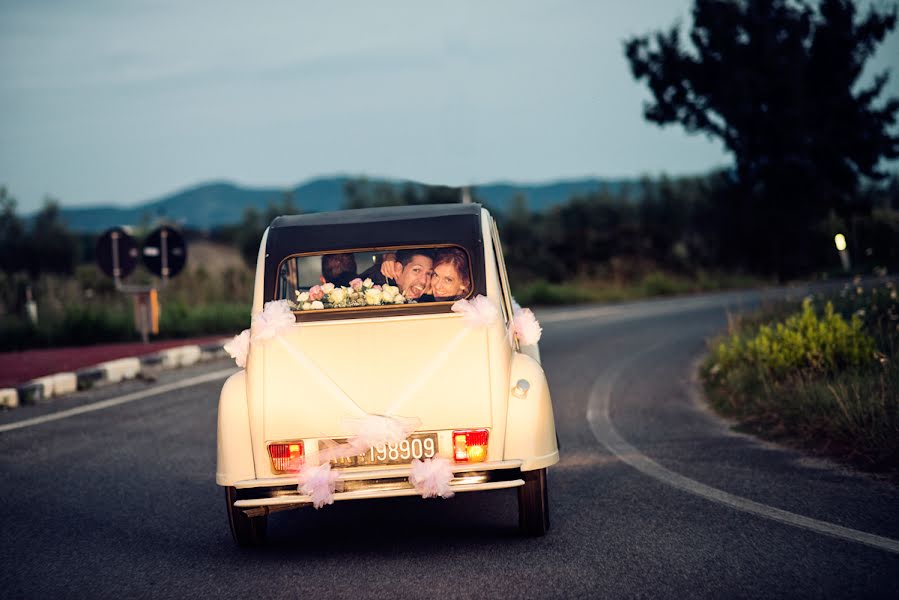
<point x="416" y="274"/>
<point x="339" y="269"/>
<point x="451" y="279"/>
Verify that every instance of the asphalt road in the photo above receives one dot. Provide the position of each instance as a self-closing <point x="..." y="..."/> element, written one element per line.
<point x="654" y="497"/>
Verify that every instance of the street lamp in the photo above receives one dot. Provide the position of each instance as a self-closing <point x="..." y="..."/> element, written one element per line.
<point x="840" y="241"/>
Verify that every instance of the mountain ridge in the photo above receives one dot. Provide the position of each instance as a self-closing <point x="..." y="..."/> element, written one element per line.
<point x="218" y="203"/>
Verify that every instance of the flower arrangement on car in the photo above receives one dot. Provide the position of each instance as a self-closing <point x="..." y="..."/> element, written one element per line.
<point x="358" y="293"/>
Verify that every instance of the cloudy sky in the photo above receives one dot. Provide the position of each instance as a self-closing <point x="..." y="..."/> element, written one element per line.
<point x="122" y="101"/>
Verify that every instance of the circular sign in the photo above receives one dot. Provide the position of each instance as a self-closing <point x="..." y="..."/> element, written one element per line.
<point x="116" y="253"/>
<point x="165" y="252"/>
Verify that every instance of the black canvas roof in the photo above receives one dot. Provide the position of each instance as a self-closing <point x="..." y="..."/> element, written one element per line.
<point x="430" y="224"/>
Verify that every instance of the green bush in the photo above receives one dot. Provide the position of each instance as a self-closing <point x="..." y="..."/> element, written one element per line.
<point x="803" y="343"/>
<point x="179" y="319"/>
<point x="825" y="380"/>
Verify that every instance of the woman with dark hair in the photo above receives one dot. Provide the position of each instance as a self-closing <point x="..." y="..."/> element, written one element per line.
<point x="451" y="279"/>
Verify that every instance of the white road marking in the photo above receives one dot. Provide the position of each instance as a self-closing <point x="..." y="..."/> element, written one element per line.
<point x="80" y="410"/>
<point x="649" y="308"/>
<point x="608" y="436"/>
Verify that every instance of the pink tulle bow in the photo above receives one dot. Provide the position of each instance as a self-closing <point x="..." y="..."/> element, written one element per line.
<point x="431" y="477"/>
<point x="478" y="311"/>
<point x="375" y="431"/>
<point x="275" y="317"/>
<point x="239" y="347"/>
<point x="526" y="327"/>
<point x="318" y="483"/>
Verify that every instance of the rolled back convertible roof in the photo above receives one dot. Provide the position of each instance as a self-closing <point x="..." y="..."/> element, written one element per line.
<point x="368" y="228"/>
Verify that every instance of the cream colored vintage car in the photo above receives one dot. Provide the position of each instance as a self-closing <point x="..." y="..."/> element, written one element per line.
<point x="357" y="385"/>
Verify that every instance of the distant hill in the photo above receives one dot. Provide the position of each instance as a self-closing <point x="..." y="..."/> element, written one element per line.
<point x="210" y="205"/>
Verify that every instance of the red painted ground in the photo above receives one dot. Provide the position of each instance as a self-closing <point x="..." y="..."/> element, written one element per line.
<point x="19" y="367"/>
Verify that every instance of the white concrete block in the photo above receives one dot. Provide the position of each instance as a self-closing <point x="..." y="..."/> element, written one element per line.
<point x="190" y="355"/>
<point x="9" y="397"/>
<point x="171" y="358"/>
<point x="64" y="383"/>
<point x="47" y="383"/>
<point x="123" y="368"/>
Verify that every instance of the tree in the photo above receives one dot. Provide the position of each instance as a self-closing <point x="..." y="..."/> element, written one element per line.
<point x="12" y="235"/>
<point x="53" y="248"/>
<point x="778" y="82"/>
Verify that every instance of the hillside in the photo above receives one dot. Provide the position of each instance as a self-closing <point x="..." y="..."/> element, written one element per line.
<point x="213" y="204"/>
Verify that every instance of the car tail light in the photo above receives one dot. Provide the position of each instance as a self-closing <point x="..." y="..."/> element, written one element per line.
<point x="470" y="445"/>
<point x="287" y="457"/>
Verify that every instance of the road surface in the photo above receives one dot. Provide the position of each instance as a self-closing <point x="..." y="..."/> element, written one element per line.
<point x="654" y="496"/>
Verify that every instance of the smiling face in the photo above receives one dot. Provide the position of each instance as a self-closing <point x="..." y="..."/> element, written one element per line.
<point x="415" y="276"/>
<point x="447" y="282"/>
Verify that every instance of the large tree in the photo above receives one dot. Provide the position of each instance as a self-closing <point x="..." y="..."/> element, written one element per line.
<point x="779" y="82"/>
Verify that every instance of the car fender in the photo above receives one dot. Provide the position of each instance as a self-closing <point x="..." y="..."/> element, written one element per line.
<point x="235" y="450"/>
<point x="530" y="424"/>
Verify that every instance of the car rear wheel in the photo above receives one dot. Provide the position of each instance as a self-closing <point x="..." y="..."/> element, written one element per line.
<point x="246" y="531"/>
<point x="533" y="504"/>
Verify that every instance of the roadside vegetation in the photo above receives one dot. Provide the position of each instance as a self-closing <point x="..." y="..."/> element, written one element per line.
<point x="822" y="375"/>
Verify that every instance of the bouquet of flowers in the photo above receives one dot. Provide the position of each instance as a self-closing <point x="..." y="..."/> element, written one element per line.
<point x="358" y="293"/>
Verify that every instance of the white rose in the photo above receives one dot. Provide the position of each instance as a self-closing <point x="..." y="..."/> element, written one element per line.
<point x="327" y="287"/>
<point x="399" y="299"/>
<point x="337" y="296"/>
<point x="317" y="305"/>
<point x="372" y="297"/>
<point x="302" y="296"/>
<point x="367" y="283"/>
<point x="307" y="306"/>
<point x="387" y="294"/>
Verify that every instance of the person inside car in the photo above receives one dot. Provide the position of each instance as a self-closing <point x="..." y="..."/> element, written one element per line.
<point x="450" y="280"/>
<point x="411" y="272"/>
<point x="338" y="269"/>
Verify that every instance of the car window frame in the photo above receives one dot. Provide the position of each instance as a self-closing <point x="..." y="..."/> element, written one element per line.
<point x="384" y="309"/>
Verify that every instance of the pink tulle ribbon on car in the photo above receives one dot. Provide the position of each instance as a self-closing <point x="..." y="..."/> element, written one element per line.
<point x="319" y="483"/>
<point x="526" y="327"/>
<point x="239" y="348"/>
<point x="479" y="311"/>
<point x="376" y="431"/>
<point x="431" y="477"/>
<point x="276" y="316"/>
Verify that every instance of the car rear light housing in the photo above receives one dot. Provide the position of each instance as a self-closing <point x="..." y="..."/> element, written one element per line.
<point x="287" y="457"/>
<point x="470" y="445"/>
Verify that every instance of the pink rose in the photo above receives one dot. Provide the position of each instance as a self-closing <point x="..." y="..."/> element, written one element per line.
<point x="316" y="292"/>
<point x="377" y="287"/>
<point x="356" y="284"/>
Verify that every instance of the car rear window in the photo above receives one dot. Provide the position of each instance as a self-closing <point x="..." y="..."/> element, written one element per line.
<point x="376" y="277"/>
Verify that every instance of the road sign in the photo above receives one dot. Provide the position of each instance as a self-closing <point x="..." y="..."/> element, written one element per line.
<point x="116" y="253"/>
<point x="165" y="252"/>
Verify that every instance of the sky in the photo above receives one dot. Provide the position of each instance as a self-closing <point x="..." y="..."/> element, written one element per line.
<point x="124" y="101"/>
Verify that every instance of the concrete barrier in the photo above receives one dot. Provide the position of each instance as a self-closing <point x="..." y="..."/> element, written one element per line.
<point x="45" y="382"/>
<point x="113" y="371"/>
<point x="64" y="383"/>
<point x="171" y="358"/>
<point x="118" y="370"/>
<point x="89" y="377"/>
<point x="9" y="397"/>
<point x="31" y="392"/>
<point x="190" y="355"/>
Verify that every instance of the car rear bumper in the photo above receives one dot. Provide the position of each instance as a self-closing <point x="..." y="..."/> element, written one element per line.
<point x="262" y="496"/>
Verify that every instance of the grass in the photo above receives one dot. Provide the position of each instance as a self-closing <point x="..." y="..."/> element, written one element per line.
<point x="823" y="375"/>
<point x="212" y="298"/>
<point x="651" y="285"/>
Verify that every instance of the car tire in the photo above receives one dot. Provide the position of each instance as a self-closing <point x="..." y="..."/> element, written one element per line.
<point x="533" y="504"/>
<point x="246" y="531"/>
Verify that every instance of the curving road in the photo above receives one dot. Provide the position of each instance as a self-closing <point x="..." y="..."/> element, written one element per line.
<point x="654" y="497"/>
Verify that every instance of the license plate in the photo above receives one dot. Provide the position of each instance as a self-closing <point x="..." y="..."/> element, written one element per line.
<point x="417" y="445"/>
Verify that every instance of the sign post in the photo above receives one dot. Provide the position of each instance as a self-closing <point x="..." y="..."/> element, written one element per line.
<point x="840" y="241"/>
<point x="164" y="253"/>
